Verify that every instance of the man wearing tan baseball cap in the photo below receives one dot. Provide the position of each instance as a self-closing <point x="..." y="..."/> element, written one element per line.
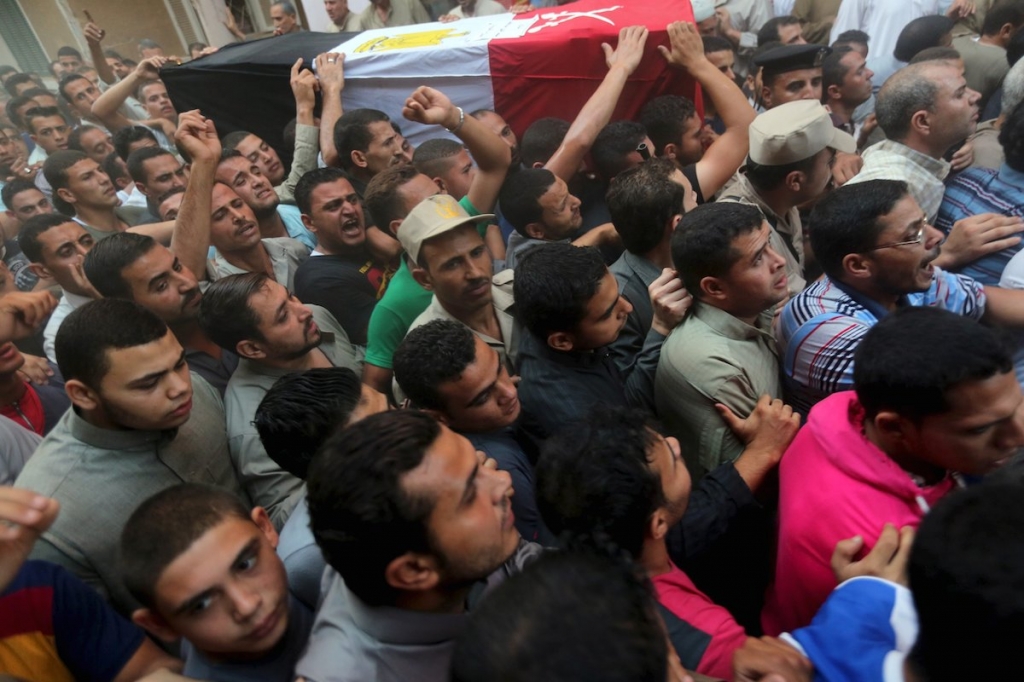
<point x="789" y="164"/>
<point x="451" y="260"/>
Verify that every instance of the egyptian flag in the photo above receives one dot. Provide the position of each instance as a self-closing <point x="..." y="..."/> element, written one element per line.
<point x="544" y="63"/>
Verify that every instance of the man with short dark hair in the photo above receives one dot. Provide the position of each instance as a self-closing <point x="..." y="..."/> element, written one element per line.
<point x="792" y="151"/>
<point x="79" y="92"/>
<point x="790" y="73"/>
<point x="889" y="450"/>
<point x="984" y="55"/>
<point x="155" y="170"/>
<point x="341" y="274"/>
<point x="140" y="423"/>
<point x="367" y="142"/>
<point x="411" y="517"/>
<point x="276" y="220"/>
<point x="23" y="201"/>
<point x="56" y="246"/>
<point x="49" y="129"/>
<point x="273" y="334"/>
<point x="646" y="203"/>
<point x="879" y="253"/>
<point x="94" y="141"/>
<point x="454" y="375"/>
<point x="723" y="354"/>
<point x="786" y="30"/>
<point x="570" y="305"/>
<point x="295" y="417"/>
<point x="845" y="85"/>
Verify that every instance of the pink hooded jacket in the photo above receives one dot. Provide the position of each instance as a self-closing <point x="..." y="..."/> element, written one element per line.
<point x="833" y="484"/>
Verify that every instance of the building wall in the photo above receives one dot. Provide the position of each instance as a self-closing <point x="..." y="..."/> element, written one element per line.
<point x="125" y="22"/>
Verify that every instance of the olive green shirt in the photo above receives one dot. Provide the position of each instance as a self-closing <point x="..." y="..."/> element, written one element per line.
<point x="713" y="357"/>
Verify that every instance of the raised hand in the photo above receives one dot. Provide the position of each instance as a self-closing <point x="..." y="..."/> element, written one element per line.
<point x="686" y="49"/>
<point x="93" y="33"/>
<point x="149" y="68"/>
<point x="630" y="50"/>
<point x="670" y="301"/>
<point x="304" y="85"/>
<point x="197" y="135"/>
<point x="21" y="313"/>
<point x="430" y="107"/>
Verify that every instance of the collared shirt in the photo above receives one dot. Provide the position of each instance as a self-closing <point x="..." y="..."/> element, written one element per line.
<point x="68" y="303"/>
<point x="633" y="274"/>
<point x="988" y="153"/>
<point x="979" y="190"/>
<point x="889" y="160"/>
<point x="714" y="357"/>
<point x="286" y="255"/>
<point x="503" y="448"/>
<point x="401" y="13"/>
<point x="503" y="303"/>
<point x="129" y="215"/>
<point x="747" y="16"/>
<point x="557" y="387"/>
<point x="303" y="561"/>
<point x="787" y="237"/>
<point x="18" y="445"/>
<point x="100" y="476"/>
<point x="819" y="330"/>
<point x="217" y="372"/>
<point x="270" y="486"/>
<point x="352" y="641"/>
<point x="291" y="216"/>
<point x="351" y="24"/>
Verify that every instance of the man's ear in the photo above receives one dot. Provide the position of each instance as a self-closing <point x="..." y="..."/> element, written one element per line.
<point x="422" y="277"/>
<point x="81" y="395"/>
<point x="563" y="341"/>
<point x="895" y="431"/>
<point x="308" y="222"/>
<point x="413" y="572"/>
<point x="40" y="271"/>
<point x="393" y="227"/>
<point x="153" y="623"/>
<point x="766" y="96"/>
<point x="534" y="230"/>
<point x="658" y="524"/>
<point x="920" y="122"/>
<point x="67" y="195"/>
<point x="857" y="266"/>
<point x="833" y="92"/>
<point x="794" y="180"/>
<point x="262" y="520"/>
<point x="440" y="185"/>
<point x="670" y="151"/>
<point x="142" y="188"/>
<point x="359" y="158"/>
<point x="537" y="164"/>
<point x="250" y="349"/>
<point x="712" y="289"/>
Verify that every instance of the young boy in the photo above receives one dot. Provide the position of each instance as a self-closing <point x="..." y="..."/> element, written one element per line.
<point x="205" y="570"/>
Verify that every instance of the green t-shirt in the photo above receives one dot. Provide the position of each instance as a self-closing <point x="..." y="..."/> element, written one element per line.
<point x="401" y="304"/>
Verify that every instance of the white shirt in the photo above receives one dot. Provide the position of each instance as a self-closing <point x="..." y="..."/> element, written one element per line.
<point x="783" y="7"/>
<point x="883" y="21"/>
<point x="484" y="8"/>
<point x="68" y="303"/>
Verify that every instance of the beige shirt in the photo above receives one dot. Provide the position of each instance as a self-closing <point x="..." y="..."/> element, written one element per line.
<point x="713" y="357"/>
<point x="286" y="255"/>
<point x="401" y="13"/>
<point x="988" y="153"/>
<point x="787" y="237"/>
<point x="483" y="8"/>
<point x="351" y="24"/>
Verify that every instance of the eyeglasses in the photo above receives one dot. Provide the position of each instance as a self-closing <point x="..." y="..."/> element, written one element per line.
<point x="916" y="239"/>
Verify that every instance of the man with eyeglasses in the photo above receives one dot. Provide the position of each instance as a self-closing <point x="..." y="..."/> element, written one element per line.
<point x="879" y="252"/>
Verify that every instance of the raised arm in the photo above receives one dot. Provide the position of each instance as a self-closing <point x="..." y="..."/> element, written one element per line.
<point x="330" y="69"/>
<point x="105" y="108"/>
<point x="491" y="154"/>
<point x="595" y="114"/>
<point x="190" y="240"/>
<point x="726" y="155"/>
<point x="307" y="142"/>
<point x="94" y="36"/>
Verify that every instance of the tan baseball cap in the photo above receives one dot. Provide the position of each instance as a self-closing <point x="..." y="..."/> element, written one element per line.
<point x="432" y="217"/>
<point x="795" y="131"/>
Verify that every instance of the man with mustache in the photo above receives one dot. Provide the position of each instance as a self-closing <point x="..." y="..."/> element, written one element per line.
<point x="879" y="253"/>
<point x="273" y="334"/>
<point x="452" y="261"/>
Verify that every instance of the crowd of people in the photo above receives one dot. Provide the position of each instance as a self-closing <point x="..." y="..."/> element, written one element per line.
<point x="728" y="393"/>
